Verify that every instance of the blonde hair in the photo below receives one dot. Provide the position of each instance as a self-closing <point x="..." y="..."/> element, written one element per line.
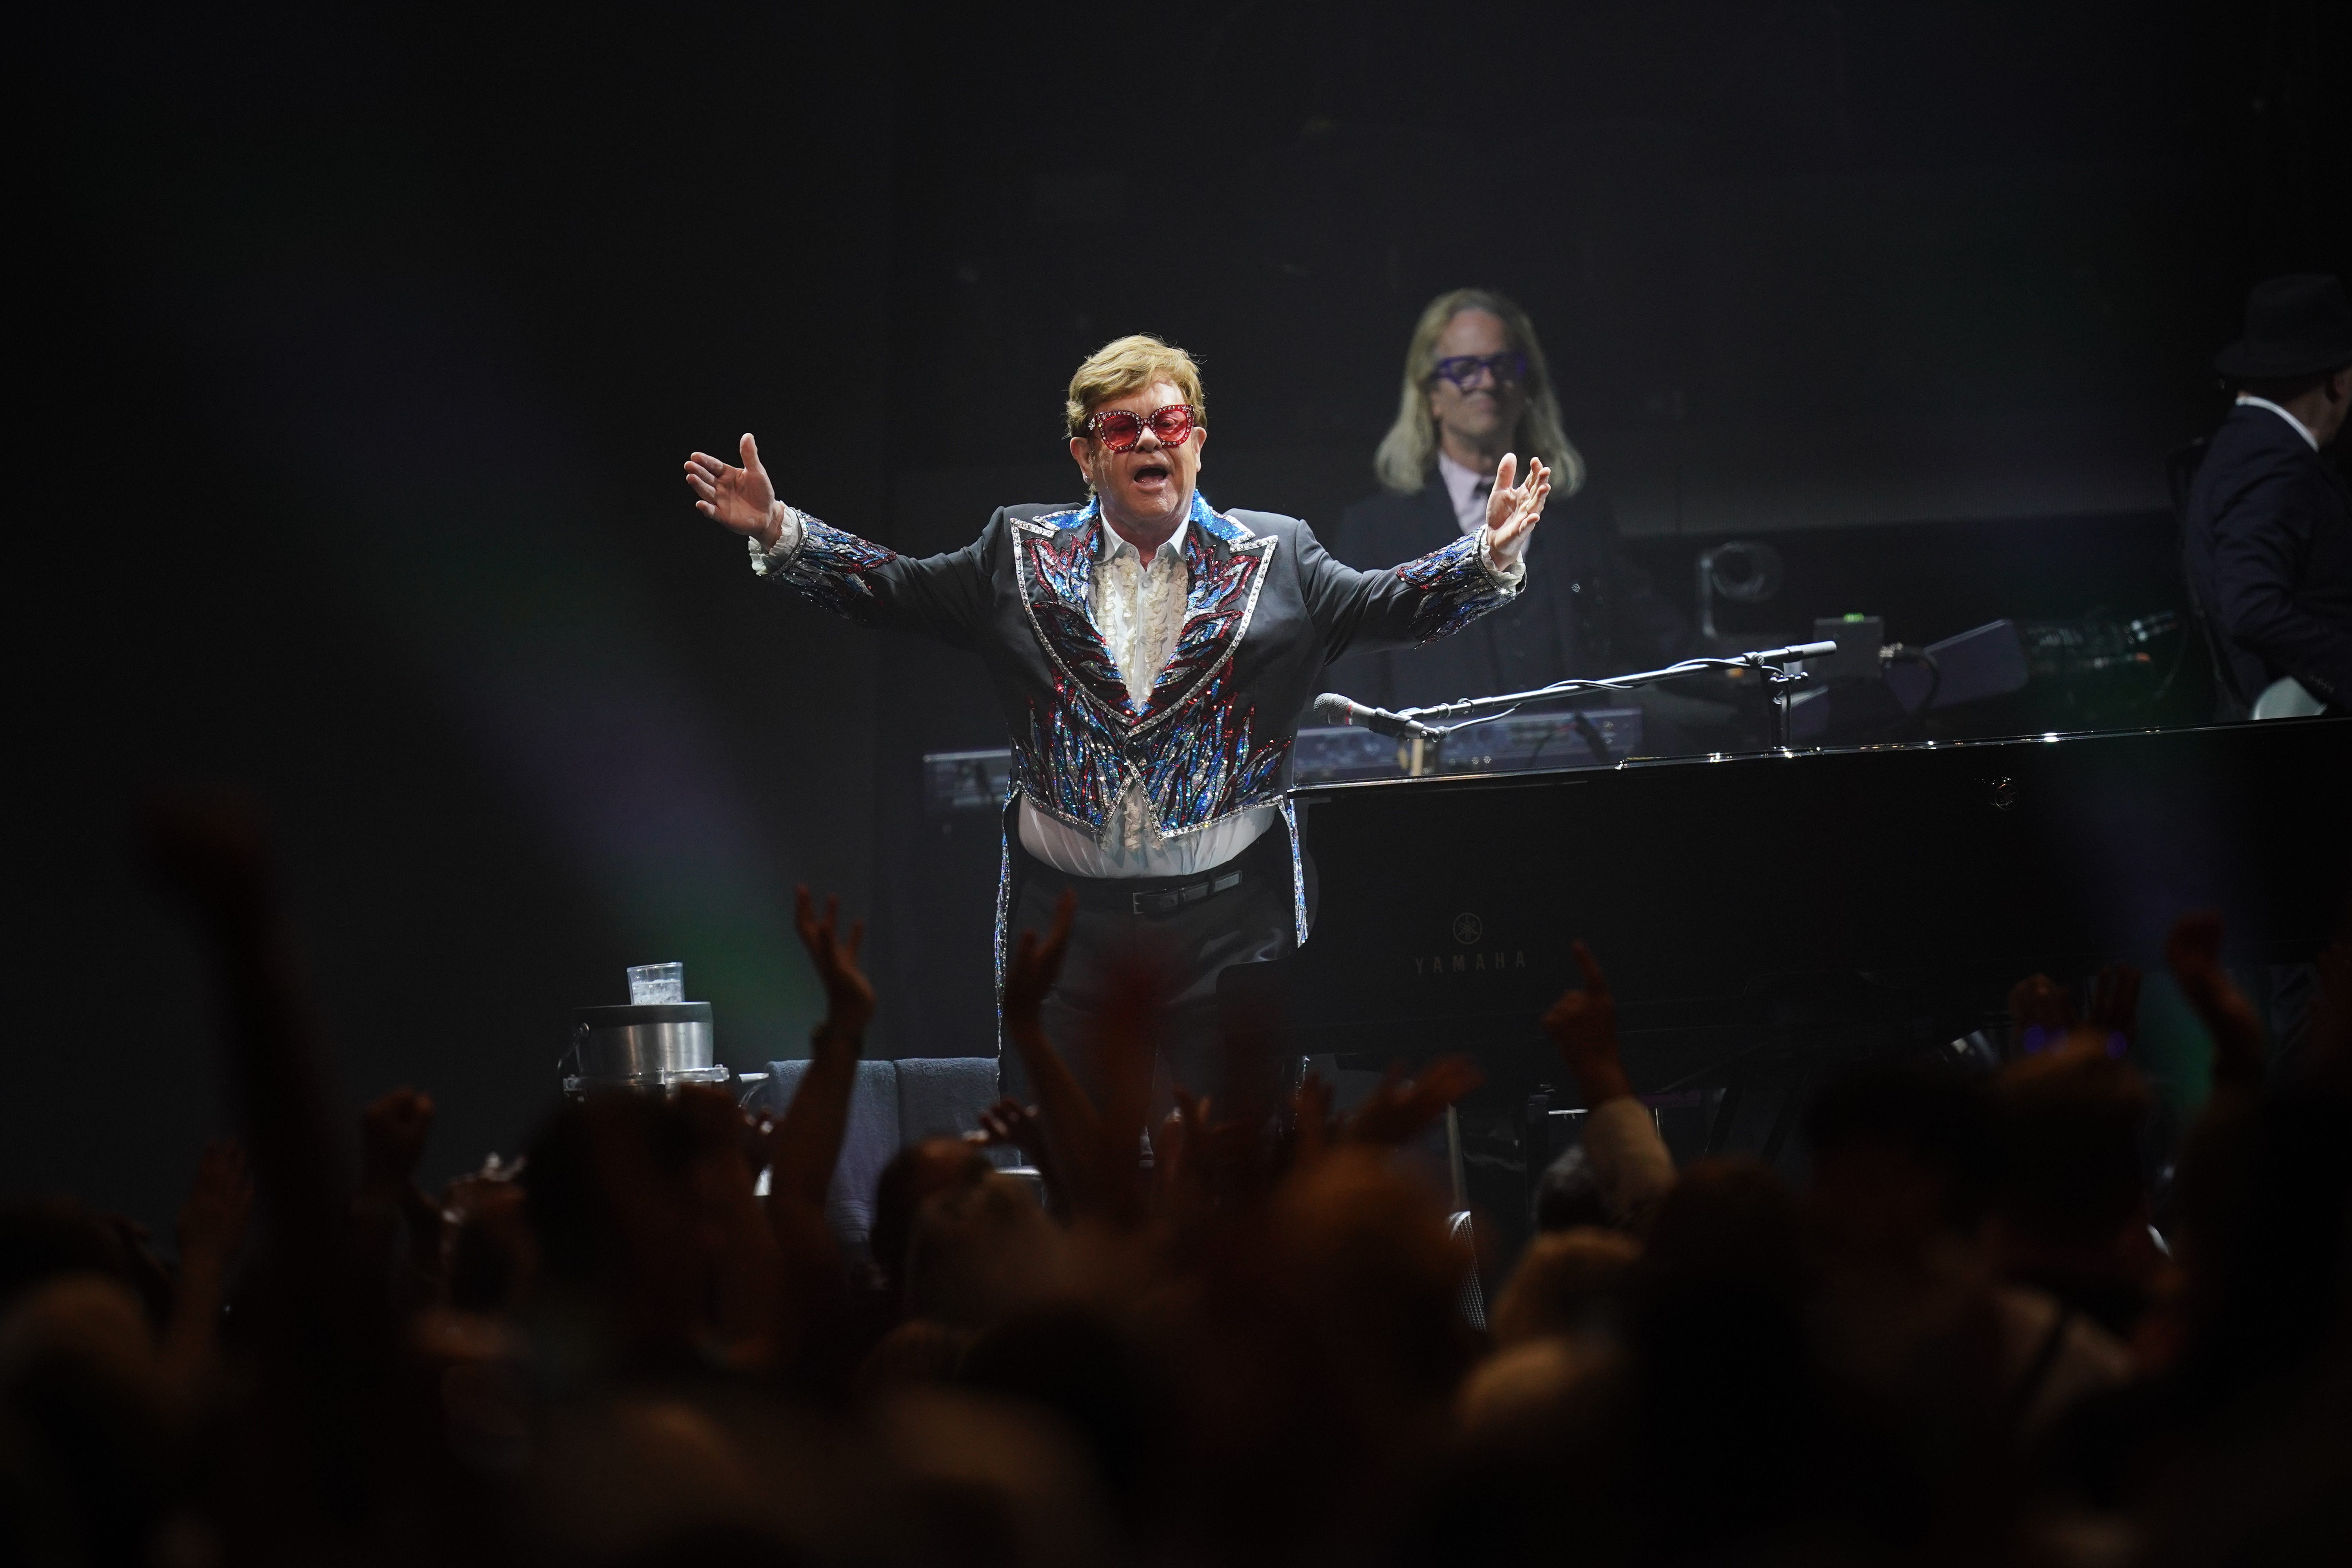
<point x="1409" y="450"/>
<point x="1130" y="364"/>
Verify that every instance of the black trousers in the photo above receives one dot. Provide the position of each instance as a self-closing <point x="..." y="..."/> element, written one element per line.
<point x="1245" y="923"/>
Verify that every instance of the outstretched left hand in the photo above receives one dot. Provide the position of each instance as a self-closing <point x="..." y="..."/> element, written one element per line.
<point x="1512" y="509"/>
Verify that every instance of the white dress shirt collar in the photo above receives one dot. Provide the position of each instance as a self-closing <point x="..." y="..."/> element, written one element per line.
<point x="1462" y="487"/>
<point x="2247" y="399"/>
<point x="1114" y="543"/>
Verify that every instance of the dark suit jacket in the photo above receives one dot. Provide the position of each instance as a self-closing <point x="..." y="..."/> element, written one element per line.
<point x="1584" y="609"/>
<point x="2268" y="546"/>
<point x="1267" y="608"/>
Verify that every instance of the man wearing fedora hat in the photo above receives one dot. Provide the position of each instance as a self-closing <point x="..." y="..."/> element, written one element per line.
<point x="2268" y="524"/>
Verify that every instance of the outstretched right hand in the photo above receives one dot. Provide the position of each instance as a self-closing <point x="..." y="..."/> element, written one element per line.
<point x="741" y="499"/>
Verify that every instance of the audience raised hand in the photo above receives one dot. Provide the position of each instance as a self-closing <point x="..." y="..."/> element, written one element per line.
<point x="1243" y="1336"/>
<point x="2331" y="1014"/>
<point x="2193" y="952"/>
<point x="1583" y="1024"/>
<point x="2043" y="1016"/>
<point x="1123" y="1048"/>
<point x="211" y="1228"/>
<point x="2042" y="1013"/>
<point x="2114" y="1007"/>
<point x="1399" y="1109"/>
<point x="1621" y="1138"/>
<point x="805" y="1143"/>
<point x="1069" y="1129"/>
<point x="393" y="1133"/>
<point x="389" y="1205"/>
<point x="752" y="1320"/>
<point x="1009" y="1124"/>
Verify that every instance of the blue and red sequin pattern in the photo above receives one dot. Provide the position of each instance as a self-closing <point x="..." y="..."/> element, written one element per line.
<point x="1455" y="589"/>
<point x="1075" y="760"/>
<point x="829" y="570"/>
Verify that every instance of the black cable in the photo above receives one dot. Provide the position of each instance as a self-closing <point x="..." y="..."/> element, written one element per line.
<point x="1595" y="741"/>
<point x="1579" y="687"/>
<point x="1482" y="719"/>
<point x="2164" y="686"/>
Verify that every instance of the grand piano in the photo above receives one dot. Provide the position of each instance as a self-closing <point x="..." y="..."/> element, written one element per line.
<point x="1795" y="901"/>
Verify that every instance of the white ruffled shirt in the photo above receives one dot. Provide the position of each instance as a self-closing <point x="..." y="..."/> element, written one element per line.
<point x="1138" y="608"/>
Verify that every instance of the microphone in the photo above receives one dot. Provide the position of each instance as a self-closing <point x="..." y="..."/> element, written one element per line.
<point x="1332" y="707"/>
<point x="1796" y="650"/>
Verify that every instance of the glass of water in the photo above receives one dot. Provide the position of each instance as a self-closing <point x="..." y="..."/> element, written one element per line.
<point x="657" y="985"/>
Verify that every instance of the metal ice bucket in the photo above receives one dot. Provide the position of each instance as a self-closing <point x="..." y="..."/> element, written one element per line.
<point x="649" y="1046"/>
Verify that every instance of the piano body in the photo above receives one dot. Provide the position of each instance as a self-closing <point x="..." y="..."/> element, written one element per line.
<point x="1789" y="899"/>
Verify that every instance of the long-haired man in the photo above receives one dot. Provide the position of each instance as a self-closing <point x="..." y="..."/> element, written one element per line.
<point x="1477" y="385"/>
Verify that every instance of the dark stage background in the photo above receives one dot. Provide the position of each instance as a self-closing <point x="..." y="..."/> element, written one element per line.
<point x="357" y="351"/>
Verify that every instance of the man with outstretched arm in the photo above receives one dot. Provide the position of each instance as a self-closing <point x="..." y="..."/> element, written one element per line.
<point x="1151" y="656"/>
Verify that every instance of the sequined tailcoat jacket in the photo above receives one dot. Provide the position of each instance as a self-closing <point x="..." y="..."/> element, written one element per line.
<point x="1265" y="610"/>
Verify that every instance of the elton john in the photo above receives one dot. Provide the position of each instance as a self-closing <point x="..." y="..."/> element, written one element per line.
<point x="1151" y="657"/>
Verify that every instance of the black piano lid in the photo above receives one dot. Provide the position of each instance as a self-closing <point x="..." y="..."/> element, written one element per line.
<point x="1709" y="885"/>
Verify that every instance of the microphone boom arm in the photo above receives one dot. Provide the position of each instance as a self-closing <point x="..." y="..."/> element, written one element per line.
<point x="1780" y="667"/>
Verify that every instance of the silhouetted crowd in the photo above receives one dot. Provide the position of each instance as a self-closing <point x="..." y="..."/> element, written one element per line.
<point x="1979" y="1332"/>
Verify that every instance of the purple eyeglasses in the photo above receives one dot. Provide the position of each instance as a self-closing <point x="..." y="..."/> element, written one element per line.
<point x="1462" y="368"/>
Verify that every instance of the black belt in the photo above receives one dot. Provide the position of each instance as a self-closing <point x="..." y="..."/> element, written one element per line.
<point x="1168" y="901"/>
<point x="1117" y="895"/>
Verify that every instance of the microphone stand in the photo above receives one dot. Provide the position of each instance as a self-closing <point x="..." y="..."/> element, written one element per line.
<point x="1781" y="669"/>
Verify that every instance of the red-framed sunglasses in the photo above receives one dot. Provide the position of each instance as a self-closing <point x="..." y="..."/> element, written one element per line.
<point x="1119" y="430"/>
